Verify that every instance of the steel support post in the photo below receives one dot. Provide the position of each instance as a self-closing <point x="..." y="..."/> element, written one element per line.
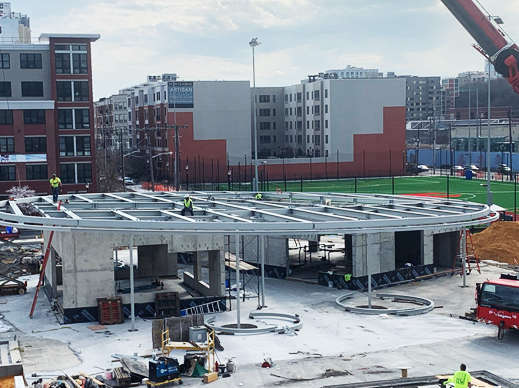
<point x="237" y="250"/>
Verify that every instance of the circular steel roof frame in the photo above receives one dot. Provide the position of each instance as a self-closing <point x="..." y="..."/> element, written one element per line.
<point x="226" y="212"/>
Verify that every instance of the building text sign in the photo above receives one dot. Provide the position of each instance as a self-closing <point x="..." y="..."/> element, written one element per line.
<point x="180" y="94"/>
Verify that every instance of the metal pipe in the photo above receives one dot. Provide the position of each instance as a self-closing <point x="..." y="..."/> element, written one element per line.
<point x="132" y="291"/>
<point x="262" y="257"/>
<point x="489" y="193"/>
<point x="464" y="255"/>
<point x="237" y="253"/>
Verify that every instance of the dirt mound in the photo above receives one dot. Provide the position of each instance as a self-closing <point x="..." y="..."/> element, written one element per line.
<point x="499" y="242"/>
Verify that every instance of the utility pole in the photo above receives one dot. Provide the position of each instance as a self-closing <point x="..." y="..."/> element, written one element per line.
<point x="150" y="161"/>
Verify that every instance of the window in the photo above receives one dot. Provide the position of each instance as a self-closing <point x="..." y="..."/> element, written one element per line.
<point x="273" y="125"/>
<point x="299" y="125"/>
<point x="83" y="146"/>
<point x="63" y="63"/>
<point x="299" y="111"/>
<point x="68" y="173"/>
<point x="307" y="110"/>
<point x="326" y="139"/>
<point x="64" y="90"/>
<point x="6" y="144"/>
<point x="286" y="97"/>
<point x="316" y="95"/>
<point x="84" y="172"/>
<point x="66" y="146"/>
<point x="5" y="61"/>
<point x="298" y="98"/>
<point x="32" y="89"/>
<point x="291" y="125"/>
<point x="145" y="99"/>
<point x="325" y="93"/>
<point x="264" y="112"/>
<point x="326" y="108"/>
<point x="274" y="112"/>
<point x="65" y="120"/>
<point x="6" y="117"/>
<point x="325" y="123"/>
<point x="30" y="61"/>
<point x="308" y="125"/>
<point x="317" y="139"/>
<point x="34" y="116"/>
<point x="274" y="98"/>
<point x="307" y="95"/>
<point x="76" y="172"/>
<point x="263" y="98"/>
<point x="264" y="126"/>
<point x="290" y="97"/>
<point x="36" y="172"/>
<point x="7" y="173"/>
<point x="317" y="110"/>
<point x="82" y="118"/>
<point x="264" y="139"/>
<point x="81" y="92"/>
<point x="299" y="139"/>
<point x="79" y="63"/>
<point x="317" y="125"/>
<point x="308" y="138"/>
<point x="5" y="89"/>
<point x="286" y="124"/>
<point x="286" y="111"/>
<point x="35" y="144"/>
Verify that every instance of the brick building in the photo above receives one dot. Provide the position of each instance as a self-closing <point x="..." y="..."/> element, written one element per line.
<point x="46" y="113"/>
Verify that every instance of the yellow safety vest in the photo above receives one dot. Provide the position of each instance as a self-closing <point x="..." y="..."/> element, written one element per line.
<point x="55" y="182"/>
<point x="258" y="196"/>
<point x="188" y="203"/>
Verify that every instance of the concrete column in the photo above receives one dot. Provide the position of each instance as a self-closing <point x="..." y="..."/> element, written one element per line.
<point x="216" y="273"/>
<point x="359" y="255"/>
<point x="197" y="266"/>
<point x="427" y="247"/>
<point x="51" y="273"/>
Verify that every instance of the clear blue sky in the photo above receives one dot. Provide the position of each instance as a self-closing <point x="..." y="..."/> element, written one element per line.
<point x="208" y="39"/>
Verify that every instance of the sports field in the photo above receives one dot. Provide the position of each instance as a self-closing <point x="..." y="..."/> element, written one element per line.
<point x="459" y="188"/>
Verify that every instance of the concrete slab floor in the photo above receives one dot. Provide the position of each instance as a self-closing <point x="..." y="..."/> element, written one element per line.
<point x="333" y="347"/>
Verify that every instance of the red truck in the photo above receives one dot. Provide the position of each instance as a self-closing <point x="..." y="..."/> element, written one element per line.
<point x="498" y="303"/>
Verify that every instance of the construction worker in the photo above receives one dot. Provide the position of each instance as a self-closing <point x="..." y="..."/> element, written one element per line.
<point x="188" y="205"/>
<point x="461" y="378"/>
<point x="258" y="196"/>
<point x="55" y="184"/>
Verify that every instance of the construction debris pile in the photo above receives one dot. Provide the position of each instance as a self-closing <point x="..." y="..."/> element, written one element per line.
<point x="499" y="242"/>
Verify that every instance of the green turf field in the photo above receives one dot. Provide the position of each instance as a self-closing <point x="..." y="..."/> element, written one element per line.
<point x="459" y="188"/>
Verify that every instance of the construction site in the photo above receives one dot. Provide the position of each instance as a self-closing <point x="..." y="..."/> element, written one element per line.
<point x="295" y="289"/>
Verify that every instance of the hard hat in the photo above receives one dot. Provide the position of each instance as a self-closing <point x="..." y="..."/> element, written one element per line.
<point x="186" y="196"/>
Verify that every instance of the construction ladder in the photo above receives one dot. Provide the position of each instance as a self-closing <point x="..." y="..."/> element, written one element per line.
<point x="470" y="252"/>
<point x="42" y="271"/>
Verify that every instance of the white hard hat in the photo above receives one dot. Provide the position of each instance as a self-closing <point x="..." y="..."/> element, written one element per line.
<point x="186" y="196"/>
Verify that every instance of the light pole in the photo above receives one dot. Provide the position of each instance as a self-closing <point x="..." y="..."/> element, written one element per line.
<point x="253" y="43"/>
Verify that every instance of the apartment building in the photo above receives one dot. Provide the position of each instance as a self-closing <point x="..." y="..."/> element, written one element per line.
<point x="213" y="120"/>
<point x="46" y="112"/>
<point x="424" y="98"/>
<point x="111" y="123"/>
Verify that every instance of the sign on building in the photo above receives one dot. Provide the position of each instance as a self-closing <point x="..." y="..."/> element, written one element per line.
<point x="180" y="94"/>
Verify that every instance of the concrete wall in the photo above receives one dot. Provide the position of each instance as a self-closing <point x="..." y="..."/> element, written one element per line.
<point x="373" y="252"/>
<point x="427" y="247"/>
<point x="276" y="250"/>
<point x="88" y="266"/>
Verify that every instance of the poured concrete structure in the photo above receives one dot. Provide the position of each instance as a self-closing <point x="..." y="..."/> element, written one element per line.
<point x="381" y="233"/>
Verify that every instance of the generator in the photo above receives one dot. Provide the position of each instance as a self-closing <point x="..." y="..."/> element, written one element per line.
<point x="163" y="369"/>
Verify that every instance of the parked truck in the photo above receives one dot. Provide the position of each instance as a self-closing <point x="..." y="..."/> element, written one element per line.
<point x="498" y="303"/>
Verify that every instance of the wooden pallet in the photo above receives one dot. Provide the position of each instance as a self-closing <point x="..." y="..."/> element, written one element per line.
<point x="123" y="378"/>
<point x="110" y="310"/>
